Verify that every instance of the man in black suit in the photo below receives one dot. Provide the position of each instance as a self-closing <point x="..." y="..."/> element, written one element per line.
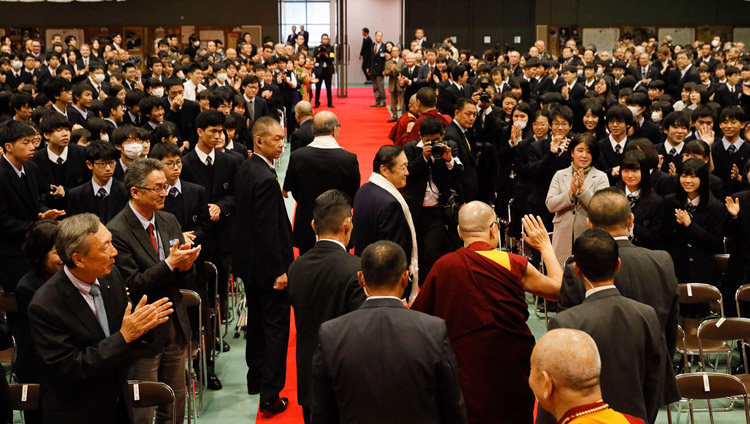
<point x="323" y="284"/>
<point x="255" y="106"/>
<point x="324" y="70"/>
<point x="103" y="195"/>
<point x="418" y="348"/>
<point x="731" y="152"/>
<point x="62" y="166"/>
<point x="377" y="66"/>
<point x="683" y="74"/>
<point x="644" y="73"/>
<point x="707" y="57"/>
<point x="430" y="185"/>
<point x="96" y="80"/>
<point x="676" y="126"/>
<point x="180" y="111"/>
<point x="262" y="265"/>
<point x="155" y="260"/>
<point x="612" y="147"/>
<point x="215" y="171"/>
<point x="304" y="33"/>
<point x="17" y="75"/>
<point x="626" y="332"/>
<point x="409" y="78"/>
<point x="457" y="89"/>
<point x="303" y="135"/>
<point x="322" y="165"/>
<point x="21" y="199"/>
<point x="381" y="212"/>
<point x="78" y="111"/>
<point x="85" y="329"/>
<point x="730" y="93"/>
<point x="365" y="54"/>
<point x="645" y="275"/>
<point x="572" y="91"/>
<point x="459" y="131"/>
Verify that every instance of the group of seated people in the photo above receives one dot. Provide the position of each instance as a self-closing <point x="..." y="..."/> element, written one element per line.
<point x="155" y="184"/>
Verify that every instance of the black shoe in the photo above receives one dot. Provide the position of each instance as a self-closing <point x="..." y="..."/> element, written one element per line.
<point x="331" y="107"/>
<point x="368" y="82"/>
<point x="375" y="105"/>
<point x="213" y="382"/>
<point x="392" y="120"/>
<point x="253" y="389"/>
<point x="222" y="348"/>
<point x="317" y="105"/>
<point x="274" y="407"/>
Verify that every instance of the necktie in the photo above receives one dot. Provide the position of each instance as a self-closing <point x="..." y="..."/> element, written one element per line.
<point x="174" y="192"/>
<point x="251" y="106"/>
<point x="152" y="237"/>
<point x="643" y="73"/>
<point x="673" y="152"/>
<point x="690" y="208"/>
<point x="101" y="193"/>
<point x="731" y="89"/>
<point x="618" y="149"/>
<point x="466" y="137"/>
<point x="101" y="311"/>
<point x="732" y="149"/>
<point x="632" y="199"/>
<point x="209" y="162"/>
<point x="60" y="161"/>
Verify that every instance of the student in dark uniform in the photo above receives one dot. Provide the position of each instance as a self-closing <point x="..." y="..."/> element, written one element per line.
<point x="103" y="195"/>
<point x="646" y="205"/>
<point x="324" y="70"/>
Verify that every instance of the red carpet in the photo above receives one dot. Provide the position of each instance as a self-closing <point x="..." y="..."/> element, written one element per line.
<point x="363" y="131"/>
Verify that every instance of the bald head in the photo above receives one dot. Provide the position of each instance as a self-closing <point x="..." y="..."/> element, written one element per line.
<point x="609" y="209"/>
<point x="570" y="357"/>
<point x="303" y="110"/>
<point x="324" y="123"/>
<point x="474" y="218"/>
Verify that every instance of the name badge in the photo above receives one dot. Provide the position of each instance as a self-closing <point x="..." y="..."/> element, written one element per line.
<point x="317" y="64"/>
<point x="382" y="54"/>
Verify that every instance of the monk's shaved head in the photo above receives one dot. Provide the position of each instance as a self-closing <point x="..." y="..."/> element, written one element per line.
<point x="570" y="357"/>
<point x="475" y="217"/>
<point x="324" y="123"/>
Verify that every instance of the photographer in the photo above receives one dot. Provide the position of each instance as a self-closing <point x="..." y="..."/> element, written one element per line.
<point x="430" y="193"/>
<point x="324" y="70"/>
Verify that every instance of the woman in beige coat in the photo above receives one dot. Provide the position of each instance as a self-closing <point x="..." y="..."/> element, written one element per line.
<point x="570" y="191"/>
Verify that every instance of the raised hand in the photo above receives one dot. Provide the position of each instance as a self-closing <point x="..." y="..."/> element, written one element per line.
<point x="732" y="205"/>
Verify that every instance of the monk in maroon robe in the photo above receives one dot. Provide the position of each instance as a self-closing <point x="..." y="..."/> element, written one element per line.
<point x="480" y="293"/>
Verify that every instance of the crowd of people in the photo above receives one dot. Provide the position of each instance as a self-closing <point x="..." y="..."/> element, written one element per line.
<point x="118" y="183"/>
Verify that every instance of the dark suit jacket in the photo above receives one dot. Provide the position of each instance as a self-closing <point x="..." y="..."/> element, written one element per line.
<point x="468" y="189"/>
<point x="652" y="132"/>
<point x="82" y="199"/>
<point x="663" y="149"/>
<point x="322" y="286"/>
<point x="262" y="218"/>
<point x="676" y="81"/>
<point x="377" y="61"/>
<point x="14" y="81"/>
<point x="420" y="172"/>
<point x="75" y="117"/>
<point x="85" y="373"/>
<point x="193" y="214"/>
<point x="184" y="118"/>
<point x="418" y="348"/>
<point x="725" y="98"/>
<point x="261" y="109"/>
<point x="535" y="165"/>
<point x="76" y="172"/>
<point x="631" y="347"/>
<point x="447" y="98"/>
<point x="94" y="92"/>
<point x="366" y="50"/>
<point x="303" y="135"/>
<point x="28" y="364"/>
<point x="608" y="158"/>
<point x="311" y="172"/>
<point x="738" y="231"/>
<point x="143" y="272"/>
<point x="649" y="216"/>
<point x="378" y="216"/>
<point x="413" y="76"/>
<point x="651" y="73"/>
<point x="723" y="162"/>
<point x="220" y="189"/>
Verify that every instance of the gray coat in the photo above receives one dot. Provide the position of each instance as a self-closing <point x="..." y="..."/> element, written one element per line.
<point x="570" y="215"/>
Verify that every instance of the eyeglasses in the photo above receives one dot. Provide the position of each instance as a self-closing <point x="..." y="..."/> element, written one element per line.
<point x="110" y="164"/>
<point x="562" y="124"/>
<point x="163" y="188"/>
<point x="175" y="164"/>
<point x="539" y="124"/>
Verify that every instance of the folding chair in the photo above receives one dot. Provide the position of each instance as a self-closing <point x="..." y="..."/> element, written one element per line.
<point x="698" y="293"/>
<point x="191" y="299"/>
<point x="743" y="294"/>
<point x="725" y="329"/>
<point x="24" y="397"/>
<point x="707" y="386"/>
<point x="212" y="273"/>
<point x="145" y="394"/>
<point x="8" y="356"/>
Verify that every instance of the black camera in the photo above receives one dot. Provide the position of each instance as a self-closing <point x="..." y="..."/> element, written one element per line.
<point x="438" y="150"/>
<point x="484" y="97"/>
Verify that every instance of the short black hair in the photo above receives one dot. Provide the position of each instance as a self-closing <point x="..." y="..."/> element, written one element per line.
<point x="431" y="125"/>
<point x="96" y="126"/>
<point x="101" y="150"/>
<point x="40" y="239"/>
<point x="148" y="104"/>
<point x="386" y="156"/>
<point x="133" y="97"/>
<point x="697" y="147"/>
<point x="122" y="133"/>
<point x="54" y="122"/>
<point x="587" y="139"/>
<point x="21" y="99"/>
<point x="330" y="210"/>
<point x="562" y="111"/>
<point x="109" y="105"/>
<point x="57" y="85"/>
<point x="462" y="102"/>
<point x="676" y="119"/>
<point x="427" y="96"/>
<point x="732" y="113"/>
<point x="12" y="131"/>
<point x="209" y="118"/>
<point x="636" y="160"/>
<point x="160" y="151"/>
<point x="698" y="168"/>
<point x="383" y="263"/>
<point x="79" y="89"/>
<point x="620" y="113"/>
<point x="596" y="255"/>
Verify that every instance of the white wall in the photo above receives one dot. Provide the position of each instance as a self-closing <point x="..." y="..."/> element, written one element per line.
<point x="377" y="15"/>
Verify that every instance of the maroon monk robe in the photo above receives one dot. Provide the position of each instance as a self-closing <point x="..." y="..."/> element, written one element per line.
<point x="479" y="293"/>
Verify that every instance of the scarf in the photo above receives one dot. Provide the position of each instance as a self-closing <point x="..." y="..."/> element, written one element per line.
<point x="386" y="185"/>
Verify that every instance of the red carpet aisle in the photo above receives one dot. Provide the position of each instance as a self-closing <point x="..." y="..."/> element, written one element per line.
<point x="363" y="131"/>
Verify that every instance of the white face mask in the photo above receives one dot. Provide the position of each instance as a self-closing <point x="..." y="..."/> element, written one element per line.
<point x="132" y="151"/>
<point x="16" y="64"/>
<point x="158" y="92"/>
<point x="656" y="116"/>
<point x="600" y="71"/>
<point x="104" y="137"/>
<point x="715" y="43"/>
<point x="181" y="75"/>
<point x="633" y="110"/>
<point x="197" y="43"/>
<point x="222" y="76"/>
<point x="99" y="78"/>
<point x="580" y="72"/>
<point x="520" y="124"/>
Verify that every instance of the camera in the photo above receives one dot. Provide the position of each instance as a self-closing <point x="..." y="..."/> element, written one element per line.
<point x="484" y="97"/>
<point x="438" y="150"/>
